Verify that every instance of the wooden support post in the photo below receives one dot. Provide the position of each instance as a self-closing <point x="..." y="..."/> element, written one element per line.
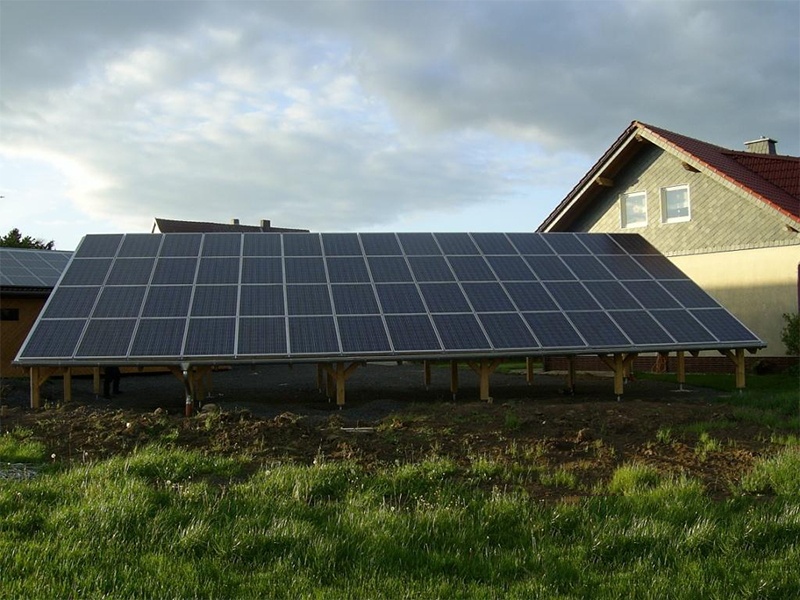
<point x="68" y="384"/>
<point x="571" y="374"/>
<point x="681" y="369"/>
<point x="329" y="383"/>
<point x="454" y="378"/>
<point x="529" y="370"/>
<point x="737" y="357"/>
<point x="96" y="380"/>
<point x="36" y="397"/>
<point x="426" y="373"/>
<point x="619" y="374"/>
<point x="484" y="368"/>
<point x="339" y="373"/>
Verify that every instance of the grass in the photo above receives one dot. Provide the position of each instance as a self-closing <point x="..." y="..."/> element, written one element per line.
<point x="174" y="523"/>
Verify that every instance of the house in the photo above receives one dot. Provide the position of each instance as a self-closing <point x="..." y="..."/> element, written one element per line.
<point x="729" y="219"/>
<point x="26" y="279"/>
<point x="172" y="226"/>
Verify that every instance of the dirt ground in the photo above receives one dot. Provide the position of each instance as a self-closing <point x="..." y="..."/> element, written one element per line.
<point x="276" y="413"/>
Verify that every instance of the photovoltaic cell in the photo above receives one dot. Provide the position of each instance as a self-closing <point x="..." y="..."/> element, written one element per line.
<point x="97" y="246"/>
<point x="689" y="293"/>
<point x="259" y="244"/>
<point x="611" y="295"/>
<point x="167" y="301"/>
<point x="158" y="337"/>
<point x="530" y="296"/>
<point x="412" y="333"/>
<point x="471" y="268"/>
<point x="106" y="338"/>
<point x="222" y="244"/>
<point x="456" y="243"/>
<point x="599" y="244"/>
<point x="553" y="330"/>
<point x="218" y="270"/>
<point x="460" y="332"/>
<point x="301" y="244"/>
<point x="262" y="336"/>
<point x="389" y="269"/>
<point x="87" y="271"/>
<point x="549" y="268"/>
<point x="566" y="243"/>
<point x="54" y="338"/>
<point x="624" y="267"/>
<point x="119" y="302"/>
<point x="641" y="328"/>
<point x="587" y="268"/>
<point x="210" y="337"/>
<point x="400" y="298"/>
<point x="131" y="271"/>
<point x="529" y="244"/>
<point x="354" y="300"/>
<point x="650" y="294"/>
<point x="510" y="268"/>
<point x="341" y="244"/>
<point x="444" y="297"/>
<point x="724" y="326"/>
<point x="262" y="270"/>
<point x="430" y="268"/>
<point x="633" y="243"/>
<point x="181" y="244"/>
<point x="308" y="300"/>
<point x="507" y="331"/>
<point x="598" y="329"/>
<point x="683" y="326"/>
<point x="363" y="335"/>
<point x="488" y="297"/>
<point x="261" y="300"/>
<point x="347" y="270"/>
<point x="140" y="245"/>
<point x="174" y="271"/>
<point x="313" y="335"/>
<point x="493" y="243"/>
<point x="305" y="270"/>
<point x="419" y="244"/>
<point x="214" y="301"/>
<point x="71" y="303"/>
<point x="571" y="295"/>
<point x="380" y="244"/>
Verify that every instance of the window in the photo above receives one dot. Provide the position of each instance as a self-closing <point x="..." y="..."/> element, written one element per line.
<point x="634" y="210"/>
<point x="9" y="314"/>
<point x="675" y="204"/>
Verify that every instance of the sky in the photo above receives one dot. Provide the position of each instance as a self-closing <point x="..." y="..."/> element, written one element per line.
<point x="365" y="115"/>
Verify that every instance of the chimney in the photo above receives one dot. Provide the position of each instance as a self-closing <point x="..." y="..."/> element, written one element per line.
<point x="265" y="225"/>
<point x="234" y="221"/>
<point x="762" y="145"/>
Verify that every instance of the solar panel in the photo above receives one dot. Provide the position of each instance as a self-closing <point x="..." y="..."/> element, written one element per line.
<point x="31" y="268"/>
<point x="173" y="298"/>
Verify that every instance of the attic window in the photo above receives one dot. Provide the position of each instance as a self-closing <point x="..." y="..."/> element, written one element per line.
<point x="675" y="204"/>
<point x="633" y="211"/>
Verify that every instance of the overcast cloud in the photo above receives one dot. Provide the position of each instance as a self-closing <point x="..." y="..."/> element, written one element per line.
<point x="348" y="116"/>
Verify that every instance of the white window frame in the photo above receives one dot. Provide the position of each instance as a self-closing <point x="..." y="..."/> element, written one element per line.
<point x="665" y="218"/>
<point x="623" y="204"/>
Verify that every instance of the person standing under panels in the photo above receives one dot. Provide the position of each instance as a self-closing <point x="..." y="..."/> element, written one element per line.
<point x="111" y="379"/>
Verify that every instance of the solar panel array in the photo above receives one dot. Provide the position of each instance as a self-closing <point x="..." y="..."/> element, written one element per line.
<point x="22" y="268"/>
<point x="162" y="298"/>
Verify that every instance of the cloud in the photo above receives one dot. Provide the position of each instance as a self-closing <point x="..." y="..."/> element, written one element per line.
<point x="348" y="115"/>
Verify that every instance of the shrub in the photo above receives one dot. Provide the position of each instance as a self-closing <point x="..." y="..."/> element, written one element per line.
<point x="790" y="335"/>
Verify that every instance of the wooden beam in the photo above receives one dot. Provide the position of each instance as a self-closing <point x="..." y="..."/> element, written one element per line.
<point x="484" y="368"/>
<point x="38" y="377"/>
<point x="681" y="369"/>
<point x="529" y="370"/>
<point x="604" y="181"/>
<point x="68" y="384"/>
<point x="689" y="167"/>
<point x="426" y="373"/>
<point x="339" y="374"/>
<point x="619" y="374"/>
<point x="96" y="380"/>
<point x="571" y="374"/>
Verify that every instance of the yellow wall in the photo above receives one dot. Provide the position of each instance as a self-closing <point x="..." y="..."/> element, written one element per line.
<point x="757" y="286"/>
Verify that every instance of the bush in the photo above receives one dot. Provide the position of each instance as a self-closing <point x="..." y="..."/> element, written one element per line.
<point x="790" y="335"/>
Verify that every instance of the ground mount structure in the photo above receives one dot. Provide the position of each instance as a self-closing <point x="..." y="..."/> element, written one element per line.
<point x="193" y="301"/>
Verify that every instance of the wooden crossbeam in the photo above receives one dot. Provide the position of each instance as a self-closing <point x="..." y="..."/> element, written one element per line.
<point x="529" y="370"/>
<point x="619" y="363"/>
<point x="340" y="373"/>
<point x="737" y="357"/>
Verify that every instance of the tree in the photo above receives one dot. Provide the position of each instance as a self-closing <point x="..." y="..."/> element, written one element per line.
<point x="14" y="239"/>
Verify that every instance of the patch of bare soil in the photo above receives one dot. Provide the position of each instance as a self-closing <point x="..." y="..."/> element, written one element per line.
<point x="278" y="414"/>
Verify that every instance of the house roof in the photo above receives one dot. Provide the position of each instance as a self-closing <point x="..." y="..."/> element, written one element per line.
<point x="770" y="178"/>
<point x="30" y="271"/>
<point x="173" y="226"/>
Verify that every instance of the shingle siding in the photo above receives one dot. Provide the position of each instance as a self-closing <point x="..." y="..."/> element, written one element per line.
<point x="721" y="218"/>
